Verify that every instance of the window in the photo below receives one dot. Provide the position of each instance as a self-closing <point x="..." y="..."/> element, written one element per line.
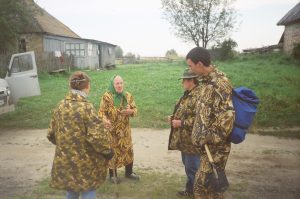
<point x="77" y="49"/>
<point x="109" y="51"/>
<point x="22" y="63"/>
<point x="22" y="45"/>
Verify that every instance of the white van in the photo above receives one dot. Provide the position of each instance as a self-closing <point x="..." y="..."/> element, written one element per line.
<point x="21" y="81"/>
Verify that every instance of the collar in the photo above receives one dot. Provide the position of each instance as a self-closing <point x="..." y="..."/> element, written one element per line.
<point x="189" y="92"/>
<point x="210" y="77"/>
<point x="76" y="95"/>
<point x="81" y="93"/>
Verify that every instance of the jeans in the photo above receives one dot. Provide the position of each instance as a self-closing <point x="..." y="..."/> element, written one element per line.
<point x="84" y="195"/>
<point x="191" y="164"/>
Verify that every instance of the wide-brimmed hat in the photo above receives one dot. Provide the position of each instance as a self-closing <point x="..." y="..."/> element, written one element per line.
<point x="188" y="74"/>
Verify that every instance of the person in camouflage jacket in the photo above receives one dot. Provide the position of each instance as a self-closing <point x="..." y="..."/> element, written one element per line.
<point x="82" y="146"/>
<point x="182" y="122"/>
<point x="116" y="108"/>
<point x="214" y="119"/>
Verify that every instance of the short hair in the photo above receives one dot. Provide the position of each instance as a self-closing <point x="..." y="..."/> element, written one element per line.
<point x="199" y="54"/>
<point x="79" y="80"/>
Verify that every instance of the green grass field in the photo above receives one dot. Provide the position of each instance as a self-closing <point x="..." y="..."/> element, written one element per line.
<point x="274" y="77"/>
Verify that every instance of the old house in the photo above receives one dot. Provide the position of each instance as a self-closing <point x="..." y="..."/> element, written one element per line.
<point x="48" y="34"/>
<point x="291" y="35"/>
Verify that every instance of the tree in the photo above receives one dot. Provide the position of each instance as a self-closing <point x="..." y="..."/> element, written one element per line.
<point x="129" y="58"/>
<point x="15" y="15"/>
<point x="171" y="54"/>
<point x="200" y="21"/>
<point x="226" y="49"/>
<point x="119" y="52"/>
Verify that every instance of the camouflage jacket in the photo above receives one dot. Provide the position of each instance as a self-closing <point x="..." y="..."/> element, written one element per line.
<point x="80" y="142"/>
<point x="214" y="116"/>
<point x="120" y="133"/>
<point x="185" y="110"/>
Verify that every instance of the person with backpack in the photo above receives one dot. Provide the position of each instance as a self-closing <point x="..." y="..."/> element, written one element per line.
<point x="213" y="123"/>
<point x="182" y="122"/>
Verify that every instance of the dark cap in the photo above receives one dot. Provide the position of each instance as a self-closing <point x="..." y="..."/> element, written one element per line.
<point x="199" y="54"/>
<point x="188" y="74"/>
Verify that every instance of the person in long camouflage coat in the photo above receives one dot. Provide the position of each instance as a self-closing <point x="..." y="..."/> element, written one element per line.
<point x="116" y="108"/>
<point x="214" y="119"/>
<point x="182" y="122"/>
<point x="82" y="147"/>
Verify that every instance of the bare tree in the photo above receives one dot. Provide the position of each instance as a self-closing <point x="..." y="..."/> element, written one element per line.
<point x="200" y="21"/>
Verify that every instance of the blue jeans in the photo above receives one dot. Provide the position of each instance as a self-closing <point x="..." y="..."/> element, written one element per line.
<point x="84" y="195"/>
<point x="191" y="164"/>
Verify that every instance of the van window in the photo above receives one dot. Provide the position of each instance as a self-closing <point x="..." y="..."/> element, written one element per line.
<point x="22" y="63"/>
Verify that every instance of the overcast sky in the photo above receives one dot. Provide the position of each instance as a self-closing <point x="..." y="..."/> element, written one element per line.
<point x="138" y="26"/>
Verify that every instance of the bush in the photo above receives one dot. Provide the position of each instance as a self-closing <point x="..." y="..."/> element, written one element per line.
<point x="225" y="50"/>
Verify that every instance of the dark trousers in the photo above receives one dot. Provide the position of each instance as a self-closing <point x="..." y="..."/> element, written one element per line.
<point x="128" y="170"/>
<point x="191" y="164"/>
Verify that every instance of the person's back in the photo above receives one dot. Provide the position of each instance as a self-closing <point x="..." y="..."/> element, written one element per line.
<point x="82" y="145"/>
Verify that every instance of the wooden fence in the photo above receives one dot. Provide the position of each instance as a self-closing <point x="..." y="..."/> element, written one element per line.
<point x="264" y="49"/>
<point x="143" y="60"/>
<point x="46" y="62"/>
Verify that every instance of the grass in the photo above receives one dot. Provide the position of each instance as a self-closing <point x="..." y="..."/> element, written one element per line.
<point x="274" y="77"/>
<point x="152" y="185"/>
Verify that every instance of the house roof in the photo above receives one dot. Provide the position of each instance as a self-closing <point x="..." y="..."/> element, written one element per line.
<point x="46" y="23"/>
<point x="292" y="16"/>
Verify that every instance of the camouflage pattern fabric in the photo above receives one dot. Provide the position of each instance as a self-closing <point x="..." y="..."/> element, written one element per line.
<point x="80" y="141"/>
<point x="120" y="133"/>
<point x="214" y="119"/>
<point x="185" y="110"/>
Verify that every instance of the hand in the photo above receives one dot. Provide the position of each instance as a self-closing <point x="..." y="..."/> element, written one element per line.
<point x="107" y="124"/>
<point x="126" y="112"/>
<point x="176" y="123"/>
<point x="109" y="155"/>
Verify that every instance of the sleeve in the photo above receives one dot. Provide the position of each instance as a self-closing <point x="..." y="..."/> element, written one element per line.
<point x="223" y="114"/>
<point x="189" y="117"/>
<point x="188" y="123"/>
<point x="52" y="129"/>
<point x="103" y="108"/>
<point x="132" y="105"/>
<point x="96" y="134"/>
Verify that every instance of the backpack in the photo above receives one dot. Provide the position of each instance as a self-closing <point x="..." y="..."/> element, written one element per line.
<point x="245" y="104"/>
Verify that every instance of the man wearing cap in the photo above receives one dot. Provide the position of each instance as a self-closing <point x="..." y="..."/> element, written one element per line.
<point x="182" y="122"/>
<point x="214" y="119"/>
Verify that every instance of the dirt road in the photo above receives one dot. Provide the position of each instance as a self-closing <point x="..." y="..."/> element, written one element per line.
<point x="261" y="167"/>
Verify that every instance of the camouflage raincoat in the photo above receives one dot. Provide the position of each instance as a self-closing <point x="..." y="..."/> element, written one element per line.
<point x="214" y="118"/>
<point x="185" y="110"/>
<point x="120" y="133"/>
<point x="80" y="142"/>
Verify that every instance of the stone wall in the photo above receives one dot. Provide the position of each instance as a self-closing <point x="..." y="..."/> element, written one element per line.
<point x="291" y="37"/>
<point x="34" y="42"/>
